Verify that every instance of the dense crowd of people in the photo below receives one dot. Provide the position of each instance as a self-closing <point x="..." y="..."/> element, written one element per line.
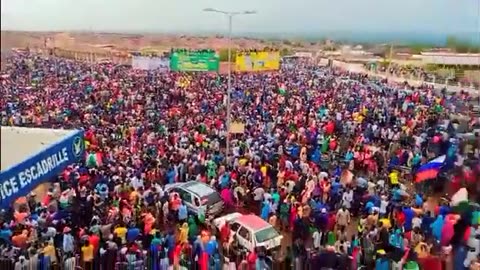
<point x="334" y="160"/>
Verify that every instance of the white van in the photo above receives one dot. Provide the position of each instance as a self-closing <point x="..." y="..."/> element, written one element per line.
<point x="251" y="231"/>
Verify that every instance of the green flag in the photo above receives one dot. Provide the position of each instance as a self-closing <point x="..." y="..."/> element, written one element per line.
<point x="92" y="160"/>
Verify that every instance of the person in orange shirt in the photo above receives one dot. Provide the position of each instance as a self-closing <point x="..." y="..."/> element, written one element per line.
<point x="21" y="240"/>
<point x="20" y="216"/>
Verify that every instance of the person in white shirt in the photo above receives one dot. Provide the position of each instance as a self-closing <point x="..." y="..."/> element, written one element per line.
<point x="347" y="199"/>
<point x="383" y="206"/>
<point x="343" y="217"/>
<point x="165" y="210"/>
<point x="317" y="237"/>
<point x="416" y="222"/>
<point x="258" y="194"/>
<point x="22" y="263"/>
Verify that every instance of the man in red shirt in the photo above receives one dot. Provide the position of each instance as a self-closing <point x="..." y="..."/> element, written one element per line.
<point x="225" y="233"/>
<point x="94" y="240"/>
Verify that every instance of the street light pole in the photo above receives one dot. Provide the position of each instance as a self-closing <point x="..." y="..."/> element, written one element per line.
<point x="229" y="87"/>
<point x="230" y="15"/>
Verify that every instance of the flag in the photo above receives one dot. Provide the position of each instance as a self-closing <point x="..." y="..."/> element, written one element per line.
<point x="430" y="170"/>
<point x="282" y="90"/>
<point x="93" y="160"/>
<point x="411" y="265"/>
<point x="459" y="201"/>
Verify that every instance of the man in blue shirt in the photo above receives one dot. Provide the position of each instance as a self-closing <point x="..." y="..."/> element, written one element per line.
<point x="182" y="213"/>
<point x="265" y="212"/>
<point x="418" y="200"/>
<point x="224" y="180"/>
<point x="427" y="221"/>
<point x="171" y="175"/>
<point x="409" y="215"/>
<point x="5" y="234"/>
<point x="437" y="226"/>
<point x="382" y="262"/>
<point x="132" y="233"/>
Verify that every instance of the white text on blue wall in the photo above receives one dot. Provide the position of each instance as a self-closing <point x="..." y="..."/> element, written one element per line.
<point x="33" y="173"/>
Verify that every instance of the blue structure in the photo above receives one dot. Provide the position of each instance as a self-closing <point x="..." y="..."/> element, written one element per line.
<point x="22" y="178"/>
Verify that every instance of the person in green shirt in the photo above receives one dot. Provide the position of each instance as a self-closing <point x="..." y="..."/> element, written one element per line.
<point x="438" y="108"/>
<point x="192" y="228"/>
<point x="157" y="239"/>
<point x="321" y="111"/>
<point x="275" y="196"/>
<point x="284" y="214"/>
<point x="202" y="129"/>
<point x="325" y="142"/>
<point x="211" y="169"/>
<point x="331" y="238"/>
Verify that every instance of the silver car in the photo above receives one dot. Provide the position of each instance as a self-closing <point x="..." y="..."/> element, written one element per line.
<point x="196" y="195"/>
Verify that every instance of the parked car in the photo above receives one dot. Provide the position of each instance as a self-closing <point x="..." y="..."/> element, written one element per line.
<point x="251" y="232"/>
<point x="196" y="195"/>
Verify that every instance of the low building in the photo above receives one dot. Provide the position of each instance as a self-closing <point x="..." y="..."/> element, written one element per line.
<point x="446" y="58"/>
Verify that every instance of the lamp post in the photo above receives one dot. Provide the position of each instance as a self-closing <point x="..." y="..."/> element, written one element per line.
<point x="230" y="15"/>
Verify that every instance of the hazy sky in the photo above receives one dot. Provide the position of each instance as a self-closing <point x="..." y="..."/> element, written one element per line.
<point x="439" y="16"/>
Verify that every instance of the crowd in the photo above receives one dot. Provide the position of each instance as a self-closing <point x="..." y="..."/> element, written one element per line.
<point x="191" y="51"/>
<point x="341" y="164"/>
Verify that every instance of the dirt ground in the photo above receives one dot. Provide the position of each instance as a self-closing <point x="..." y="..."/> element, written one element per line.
<point x="130" y="42"/>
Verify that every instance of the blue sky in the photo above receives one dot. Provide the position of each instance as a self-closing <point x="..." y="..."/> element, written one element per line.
<point x="274" y="16"/>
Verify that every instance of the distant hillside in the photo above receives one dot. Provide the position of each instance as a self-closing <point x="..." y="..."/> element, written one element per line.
<point x="215" y="40"/>
<point x="437" y="39"/>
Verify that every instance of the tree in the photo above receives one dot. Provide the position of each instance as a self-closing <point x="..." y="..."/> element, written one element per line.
<point x="460" y="46"/>
<point x="223" y="55"/>
<point x="285" y="51"/>
<point x="418" y="47"/>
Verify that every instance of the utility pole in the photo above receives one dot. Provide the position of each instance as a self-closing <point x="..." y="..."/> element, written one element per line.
<point x="230" y="16"/>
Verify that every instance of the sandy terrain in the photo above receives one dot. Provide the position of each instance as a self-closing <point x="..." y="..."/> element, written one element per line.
<point x="129" y="42"/>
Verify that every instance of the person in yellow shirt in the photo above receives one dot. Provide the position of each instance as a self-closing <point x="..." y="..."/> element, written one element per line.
<point x="121" y="232"/>
<point x="393" y="176"/>
<point x="49" y="250"/>
<point x="87" y="256"/>
<point x="133" y="196"/>
<point x="263" y="169"/>
<point x="422" y="249"/>
<point x="183" y="233"/>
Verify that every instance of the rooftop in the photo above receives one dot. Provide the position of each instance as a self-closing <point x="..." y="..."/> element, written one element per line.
<point x="253" y="222"/>
<point x="18" y="143"/>
<point x="199" y="188"/>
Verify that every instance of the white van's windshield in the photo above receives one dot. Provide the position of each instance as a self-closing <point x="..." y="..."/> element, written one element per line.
<point x="266" y="234"/>
<point x="211" y="199"/>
